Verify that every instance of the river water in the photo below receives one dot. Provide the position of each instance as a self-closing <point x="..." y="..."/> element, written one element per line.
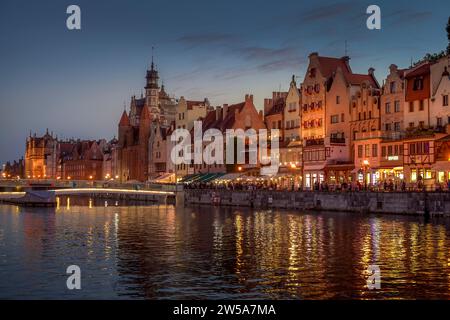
<point x="166" y="252"/>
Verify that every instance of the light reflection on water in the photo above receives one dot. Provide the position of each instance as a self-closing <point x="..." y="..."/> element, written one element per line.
<point x="209" y="253"/>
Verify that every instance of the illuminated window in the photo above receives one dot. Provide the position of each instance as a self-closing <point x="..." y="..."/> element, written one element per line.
<point x="427" y="174"/>
<point x="414" y="175"/>
<point x="441" y="176"/>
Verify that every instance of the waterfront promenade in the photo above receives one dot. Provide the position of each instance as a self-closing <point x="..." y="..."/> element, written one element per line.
<point x="408" y="202"/>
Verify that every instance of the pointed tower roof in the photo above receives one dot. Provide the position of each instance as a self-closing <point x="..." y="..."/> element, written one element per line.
<point x="124" y="120"/>
<point x="145" y="114"/>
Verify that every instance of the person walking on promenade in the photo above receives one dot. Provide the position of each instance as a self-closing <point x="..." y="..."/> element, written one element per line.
<point x="403" y="185"/>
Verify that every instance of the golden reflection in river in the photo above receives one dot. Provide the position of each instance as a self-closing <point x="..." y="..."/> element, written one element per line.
<point x="166" y="252"/>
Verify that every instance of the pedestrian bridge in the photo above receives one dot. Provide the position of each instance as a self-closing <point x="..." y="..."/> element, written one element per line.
<point x="107" y="193"/>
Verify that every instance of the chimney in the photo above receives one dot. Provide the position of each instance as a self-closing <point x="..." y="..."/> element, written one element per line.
<point x="261" y="115"/>
<point x="246" y="97"/>
<point x="371" y="71"/>
<point x="218" y="111"/>
<point x="225" y="110"/>
<point x="267" y="105"/>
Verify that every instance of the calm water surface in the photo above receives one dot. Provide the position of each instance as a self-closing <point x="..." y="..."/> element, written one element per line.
<point x="163" y="252"/>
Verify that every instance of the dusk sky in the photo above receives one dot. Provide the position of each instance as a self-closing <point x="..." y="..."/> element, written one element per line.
<point x="76" y="82"/>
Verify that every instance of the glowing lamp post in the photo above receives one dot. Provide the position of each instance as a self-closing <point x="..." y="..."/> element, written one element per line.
<point x="366" y="167"/>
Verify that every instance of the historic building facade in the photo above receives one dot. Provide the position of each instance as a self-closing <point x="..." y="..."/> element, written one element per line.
<point x="133" y="152"/>
<point x="41" y="157"/>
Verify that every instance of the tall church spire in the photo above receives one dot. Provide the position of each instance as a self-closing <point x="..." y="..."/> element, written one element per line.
<point x="152" y="86"/>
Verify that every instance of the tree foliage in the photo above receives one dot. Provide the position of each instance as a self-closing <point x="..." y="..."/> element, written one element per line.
<point x="433" y="57"/>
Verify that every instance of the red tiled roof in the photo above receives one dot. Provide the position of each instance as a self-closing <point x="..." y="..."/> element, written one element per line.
<point x="354" y="78"/>
<point x="277" y="108"/>
<point x="228" y="122"/>
<point x="124" y="120"/>
<point x="328" y="65"/>
<point x="190" y="103"/>
<point x="145" y="114"/>
<point x="419" y="71"/>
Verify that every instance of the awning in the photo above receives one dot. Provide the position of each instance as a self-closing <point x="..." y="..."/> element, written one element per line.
<point x="204" y="177"/>
<point x="189" y="177"/>
<point x="165" y="177"/>
<point x="228" y="177"/>
<point x="340" y="167"/>
<point x="313" y="167"/>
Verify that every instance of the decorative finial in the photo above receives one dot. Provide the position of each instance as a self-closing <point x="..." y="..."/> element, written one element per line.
<point x="153" y="49"/>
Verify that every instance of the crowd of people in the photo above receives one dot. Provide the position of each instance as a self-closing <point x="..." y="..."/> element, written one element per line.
<point x="381" y="186"/>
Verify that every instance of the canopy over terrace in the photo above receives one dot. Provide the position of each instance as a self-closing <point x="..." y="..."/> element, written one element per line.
<point x="229" y="177"/>
<point x="164" y="178"/>
<point x="201" y="177"/>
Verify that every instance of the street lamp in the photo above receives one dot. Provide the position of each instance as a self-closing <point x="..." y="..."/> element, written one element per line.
<point x="366" y="166"/>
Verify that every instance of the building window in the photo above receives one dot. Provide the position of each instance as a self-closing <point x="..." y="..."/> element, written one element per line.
<point x="411" y="106"/>
<point x="413" y="175"/>
<point x="421" y="124"/>
<point x="374" y="150"/>
<point x="367" y="150"/>
<point x="421" y="105"/>
<point x="439" y="122"/>
<point x="411" y="124"/>
<point x="342" y="117"/>
<point x="392" y="87"/>
<point x="335" y="118"/>
<point x="388" y="107"/>
<point x="445" y="100"/>
<point x="383" y="151"/>
<point x="338" y="99"/>
<point x="360" y="151"/>
<point x="396" y="106"/>
<point x="387" y="127"/>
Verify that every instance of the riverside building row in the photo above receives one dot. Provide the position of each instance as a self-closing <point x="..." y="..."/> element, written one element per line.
<point x="336" y="126"/>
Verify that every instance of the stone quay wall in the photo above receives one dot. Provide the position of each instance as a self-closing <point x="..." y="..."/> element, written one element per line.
<point x="417" y="203"/>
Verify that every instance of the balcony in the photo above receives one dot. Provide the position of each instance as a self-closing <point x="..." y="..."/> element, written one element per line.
<point x="314" y="142"/>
